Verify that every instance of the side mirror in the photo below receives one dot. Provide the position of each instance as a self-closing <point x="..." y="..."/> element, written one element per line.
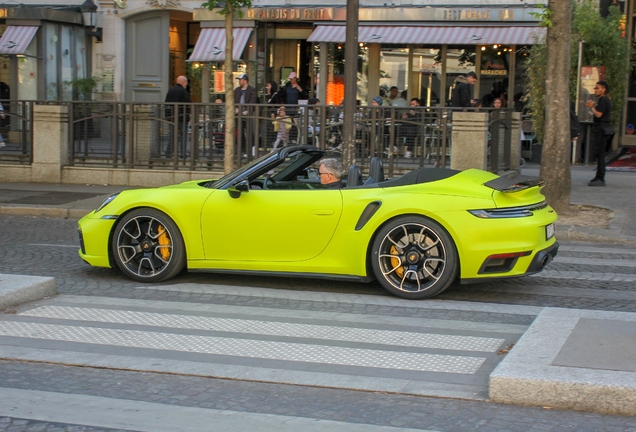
<point x="236" y="190"/>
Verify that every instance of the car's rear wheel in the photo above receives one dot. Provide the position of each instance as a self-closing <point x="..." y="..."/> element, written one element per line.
<point x="148" y="246"/>
<point x="414" y="257"/>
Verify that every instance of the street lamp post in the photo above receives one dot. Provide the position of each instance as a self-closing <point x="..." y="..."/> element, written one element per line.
<point x="89" y="14"/>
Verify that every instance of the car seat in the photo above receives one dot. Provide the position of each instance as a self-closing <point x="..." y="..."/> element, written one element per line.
<point x="354" y="178"/>
<point x="376" y="171"/>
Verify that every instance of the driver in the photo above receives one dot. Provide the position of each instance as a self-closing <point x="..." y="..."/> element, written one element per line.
<point x="330" y="172"/>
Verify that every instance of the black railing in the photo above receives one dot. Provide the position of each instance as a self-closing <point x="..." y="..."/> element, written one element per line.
<point x="192" y="136"/>
<point x="16" y="129"/>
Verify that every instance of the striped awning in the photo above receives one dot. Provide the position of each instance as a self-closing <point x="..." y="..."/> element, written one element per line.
<point x="211" y="44"/>
<point x="16" y="39"/>
<point x="431" y="35"/>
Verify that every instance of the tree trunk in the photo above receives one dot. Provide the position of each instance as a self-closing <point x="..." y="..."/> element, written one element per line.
<point x="230" y="130"/>
<point x="555" y="157"/>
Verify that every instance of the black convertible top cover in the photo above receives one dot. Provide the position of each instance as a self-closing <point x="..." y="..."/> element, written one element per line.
<point x="422" y="175"/>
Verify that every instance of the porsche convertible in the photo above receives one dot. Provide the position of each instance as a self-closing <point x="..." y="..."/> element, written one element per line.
<point x="416" y="234"/>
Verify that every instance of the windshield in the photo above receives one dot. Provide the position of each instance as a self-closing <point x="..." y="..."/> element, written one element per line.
<point x="235" y="174"/>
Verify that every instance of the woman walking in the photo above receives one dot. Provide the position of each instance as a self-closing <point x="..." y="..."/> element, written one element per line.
<point x="602" y="129"/>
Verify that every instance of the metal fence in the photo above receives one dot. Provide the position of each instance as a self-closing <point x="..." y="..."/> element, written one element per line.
<point x="192" y="136"/>
<point x="16" y="130"/>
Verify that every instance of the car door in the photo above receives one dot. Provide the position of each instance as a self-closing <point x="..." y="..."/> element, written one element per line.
<point x="270" y="225"/>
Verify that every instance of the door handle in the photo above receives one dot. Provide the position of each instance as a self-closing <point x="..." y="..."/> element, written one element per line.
<point x="326" y="212"/>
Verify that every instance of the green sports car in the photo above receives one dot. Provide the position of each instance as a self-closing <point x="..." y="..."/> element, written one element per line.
<point x="415" y="234"/>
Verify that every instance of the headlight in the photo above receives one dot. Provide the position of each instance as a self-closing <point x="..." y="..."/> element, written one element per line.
<point x="106" y="202"/>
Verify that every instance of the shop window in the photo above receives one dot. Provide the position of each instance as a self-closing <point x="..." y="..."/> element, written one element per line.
<point x="27" y="73"/>
<point x="65" y="54"/>
<point x="394" y="63"/>
<point x="49" y="51"/>
<point x="459" y="61"/>
<point x="494" y="74"/>
<point x="67" y="69"/>
<point x="334" y="80"/>
<point x="427" y="71"/>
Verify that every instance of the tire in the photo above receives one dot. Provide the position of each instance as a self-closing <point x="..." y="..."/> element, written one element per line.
<point x="148" y="246"/>
<point x="413" y="257"/>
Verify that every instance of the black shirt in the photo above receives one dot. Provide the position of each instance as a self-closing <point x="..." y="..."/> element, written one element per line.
<point x="604" y="105"/>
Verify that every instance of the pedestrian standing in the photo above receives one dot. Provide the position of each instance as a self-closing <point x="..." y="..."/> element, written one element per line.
<point x="245" y="94"/>
<point x="178" y="95"/>
<point x="461" y="96"/>
<point x="292" y="92"/>
<point x="602" y="129"/>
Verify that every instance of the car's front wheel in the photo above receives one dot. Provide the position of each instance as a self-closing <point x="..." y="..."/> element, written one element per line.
<point x="414" y="257"/>
<point x="147" y="246"/>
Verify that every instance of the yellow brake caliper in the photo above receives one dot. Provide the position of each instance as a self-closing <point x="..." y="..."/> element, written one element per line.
<point x="164" y="241"/>
<point x="395" y="262"/>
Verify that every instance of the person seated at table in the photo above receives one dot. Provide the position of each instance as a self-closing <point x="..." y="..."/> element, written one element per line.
<point x="410" y="129"/>
<point x="330" y="172"/>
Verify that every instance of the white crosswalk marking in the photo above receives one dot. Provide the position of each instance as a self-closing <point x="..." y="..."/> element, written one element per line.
<point x="422" y="354"/>
<point x="246" y="348"/>
<point x="350" y="334"/>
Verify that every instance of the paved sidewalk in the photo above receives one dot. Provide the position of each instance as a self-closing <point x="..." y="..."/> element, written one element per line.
<point x="619" y="196"/>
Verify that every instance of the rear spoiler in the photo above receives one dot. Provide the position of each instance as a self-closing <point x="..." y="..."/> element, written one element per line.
<point x="505" y="184"/>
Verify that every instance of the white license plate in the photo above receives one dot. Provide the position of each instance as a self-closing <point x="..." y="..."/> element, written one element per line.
<point x="549" y="231"/>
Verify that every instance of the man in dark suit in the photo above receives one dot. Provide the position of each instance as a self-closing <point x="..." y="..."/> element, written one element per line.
<point x="245" y="94"/>
<point x="179" y="96"/>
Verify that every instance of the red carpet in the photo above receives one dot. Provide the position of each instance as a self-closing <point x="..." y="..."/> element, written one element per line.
<point x="625" y="162"/>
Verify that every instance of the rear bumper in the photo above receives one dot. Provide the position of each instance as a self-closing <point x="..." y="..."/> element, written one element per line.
<point x="542" y="259"/>
<point x="538" y="263"/>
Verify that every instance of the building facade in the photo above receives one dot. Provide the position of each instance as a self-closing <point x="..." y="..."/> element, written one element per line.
<point x="137" y="48"/>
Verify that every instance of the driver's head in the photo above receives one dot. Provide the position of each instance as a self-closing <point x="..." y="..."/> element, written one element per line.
<point x="330" y="170"/>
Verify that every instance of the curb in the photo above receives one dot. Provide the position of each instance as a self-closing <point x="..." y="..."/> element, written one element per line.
<point x="16" y="289"/>
<point x="63" y="213"/>
<point x="546" y="368"/>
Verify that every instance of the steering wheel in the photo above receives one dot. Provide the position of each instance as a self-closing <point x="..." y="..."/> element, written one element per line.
<point x="268" y="178"/>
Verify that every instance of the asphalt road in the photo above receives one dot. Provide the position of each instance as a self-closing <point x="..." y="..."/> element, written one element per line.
<point x="595" y="276"/>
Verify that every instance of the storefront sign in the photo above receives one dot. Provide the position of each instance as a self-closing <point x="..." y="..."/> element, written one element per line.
<point x="494" y="72"/>
<point x="467" y="14"/>
<point x="290" y="14"/>
<point x="478" y="14"/>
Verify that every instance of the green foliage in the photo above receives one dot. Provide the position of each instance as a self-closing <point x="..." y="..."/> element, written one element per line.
<point x="534" y="97"/>
<point x="605" y="45"/>
<point x="544" y="17"/>
<point x="83" y="88"/>
<point x="228" y="6"/>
